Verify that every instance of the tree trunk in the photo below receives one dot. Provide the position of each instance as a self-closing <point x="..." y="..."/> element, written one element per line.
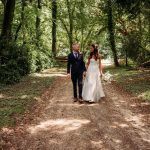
<point x="71" y="37"/>
<point x="70" y="13"/>
<point x="54" y="26"/>
<point x="8" y="20"/>
<point x="111" y="32"/>
<point x="149" y="26"/>
<point x="38" y="22"/>
<point x="21" y="21"/>
<point x="82" y="36"/>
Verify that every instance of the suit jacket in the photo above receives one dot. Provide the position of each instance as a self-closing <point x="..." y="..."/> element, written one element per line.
<point x="75" y="65"/>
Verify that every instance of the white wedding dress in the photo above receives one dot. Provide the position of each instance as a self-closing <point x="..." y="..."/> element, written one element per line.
<point x="92" y="86"/>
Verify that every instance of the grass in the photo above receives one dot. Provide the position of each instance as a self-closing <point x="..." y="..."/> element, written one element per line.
<point x="15" y="100"/>
<point x="134" y="81"/>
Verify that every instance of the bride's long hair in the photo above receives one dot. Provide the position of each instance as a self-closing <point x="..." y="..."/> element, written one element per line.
<point x="95" y="52"/>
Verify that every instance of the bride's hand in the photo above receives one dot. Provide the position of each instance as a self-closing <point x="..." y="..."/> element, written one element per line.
<point x="101" y="74"/>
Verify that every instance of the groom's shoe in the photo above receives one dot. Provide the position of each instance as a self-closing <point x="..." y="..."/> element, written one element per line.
<point x="80" y="100"/>
<point x="75" y="99"/>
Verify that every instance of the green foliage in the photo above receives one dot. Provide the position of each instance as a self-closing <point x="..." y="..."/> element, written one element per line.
<point x="85" y="22"/>
<point x="40" y="59"/>
<point x="20" y="98"/>
<point x="134" y="81"/>
<point x="9" y="108"/>
<point x="14" y="62"/>
<point x="17" y="61"/>
<point x="134" y="50"/>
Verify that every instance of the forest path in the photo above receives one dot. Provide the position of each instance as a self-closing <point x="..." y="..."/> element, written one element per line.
<point x="120" y="122"/>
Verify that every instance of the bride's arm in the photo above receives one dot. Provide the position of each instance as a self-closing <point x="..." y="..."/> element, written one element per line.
<point x="100" y="65"/>
<point x="88" y="64"/>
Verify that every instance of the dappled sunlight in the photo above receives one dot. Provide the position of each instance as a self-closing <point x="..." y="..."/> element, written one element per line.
<point x="117" y="141"/>
<point x="133" y="105"/>
<point x="147" y="140"/>
<point x="97" y="144"/>
<point x="107" y="62"/>
<point x="136" y="121"/>
<point x="7" y="130"/>
<point x="144" y="94"/>
<point x="24" y="96"/>
<point x="113" y="126"/>
<point x="58" y="125"/>
<point x="123" y="125"/>
<point x="55" y="141"/>
<point x="53" y="72"/>
<point x="117" y="124"/>
<point x="2" y="96"/>
<point x="74" y="104"/>
<point x="123" y="101"/>
<point x="145" y="104"/>
<point x="49" y="75"/>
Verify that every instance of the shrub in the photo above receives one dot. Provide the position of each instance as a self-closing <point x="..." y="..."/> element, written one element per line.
<point x="134" y="49"/>
<point x="14" y="63"/>
<point x="17" y="61"/>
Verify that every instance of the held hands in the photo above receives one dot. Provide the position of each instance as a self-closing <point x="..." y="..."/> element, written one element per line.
<point x="68" y="76"/>
<point x="101" y="74"/>
<point x="84" y="73"/>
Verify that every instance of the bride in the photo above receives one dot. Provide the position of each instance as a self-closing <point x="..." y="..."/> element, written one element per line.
<point x="92" y="88"/>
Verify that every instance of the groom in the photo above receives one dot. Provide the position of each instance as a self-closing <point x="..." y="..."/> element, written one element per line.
<point x="76" y="69"/>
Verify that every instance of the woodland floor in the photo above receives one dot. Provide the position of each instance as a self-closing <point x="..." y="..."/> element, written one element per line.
<point x="121" y="121"/>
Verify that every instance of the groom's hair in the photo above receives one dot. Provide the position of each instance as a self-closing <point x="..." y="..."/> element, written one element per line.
<point x="74" y="44"/>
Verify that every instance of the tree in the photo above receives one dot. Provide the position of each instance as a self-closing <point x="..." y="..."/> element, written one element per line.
<point x="69" y="25"/>
<point x="54" y="26"/>
<point x="23" y="4"/>
<point x="6" y="32"/>
<point x="111" y="32"/>
<point x="38" y="22"/>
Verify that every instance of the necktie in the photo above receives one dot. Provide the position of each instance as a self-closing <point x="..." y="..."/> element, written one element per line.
<point x="76" y="55"/>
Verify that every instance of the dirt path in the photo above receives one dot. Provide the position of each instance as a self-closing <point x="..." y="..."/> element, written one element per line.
<point x="120" y="122"/>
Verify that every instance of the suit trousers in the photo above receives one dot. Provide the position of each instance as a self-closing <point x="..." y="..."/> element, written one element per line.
<point x="77" y="79"/>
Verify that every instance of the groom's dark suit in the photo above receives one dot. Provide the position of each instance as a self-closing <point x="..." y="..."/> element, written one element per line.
<point x="76" y="67"/>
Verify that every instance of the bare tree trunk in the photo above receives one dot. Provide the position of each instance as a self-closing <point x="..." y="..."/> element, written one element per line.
<point x="111" y="32"/>
<point x="8" y="20"/>
<point x="54" y="26"/>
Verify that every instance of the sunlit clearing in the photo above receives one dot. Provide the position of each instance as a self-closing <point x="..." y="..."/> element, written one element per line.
<point x="58" y="125"/>
<point x="107" y="62"/>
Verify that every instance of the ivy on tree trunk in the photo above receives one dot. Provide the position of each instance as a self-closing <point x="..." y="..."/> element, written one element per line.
<point x="111" y="32"/>
<point x="54" y="26"/>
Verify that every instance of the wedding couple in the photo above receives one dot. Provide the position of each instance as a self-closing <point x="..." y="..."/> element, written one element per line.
<point x="90" y="90"/>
